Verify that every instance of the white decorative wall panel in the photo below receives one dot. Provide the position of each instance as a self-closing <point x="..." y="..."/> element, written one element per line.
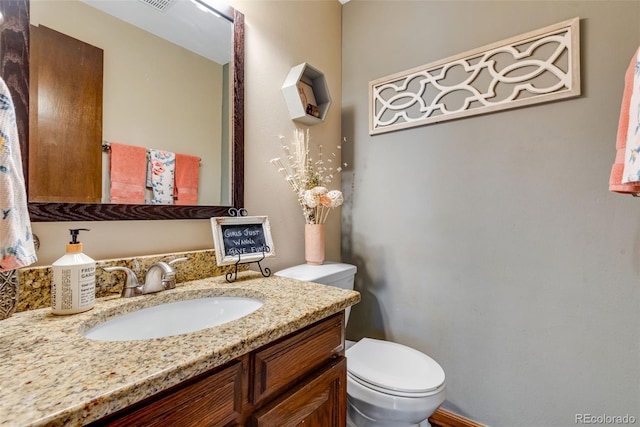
<point x="539" y="66"/>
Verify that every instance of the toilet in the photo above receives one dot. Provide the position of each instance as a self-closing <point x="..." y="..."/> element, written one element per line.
<point x="388" y="384"/>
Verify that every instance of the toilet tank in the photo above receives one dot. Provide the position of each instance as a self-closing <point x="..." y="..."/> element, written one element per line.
<point x="330" y="273"/>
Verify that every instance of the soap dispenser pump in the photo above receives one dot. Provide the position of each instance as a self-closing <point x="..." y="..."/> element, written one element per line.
<point x="73" y="289"/>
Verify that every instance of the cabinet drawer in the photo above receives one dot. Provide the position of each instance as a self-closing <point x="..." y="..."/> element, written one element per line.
<point x="281" y="364"/>
<point x="214" y="399"/>
<point x="319" y="403"/>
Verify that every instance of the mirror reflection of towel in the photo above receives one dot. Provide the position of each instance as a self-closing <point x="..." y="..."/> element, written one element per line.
<point x="17" y="248"/>
<point x="127" y="170"/>
<point x="187" y="179"/>
<point x="160" y="176"/>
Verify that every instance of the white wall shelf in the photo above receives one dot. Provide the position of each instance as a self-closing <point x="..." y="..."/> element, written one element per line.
<point x="307" y="95"/>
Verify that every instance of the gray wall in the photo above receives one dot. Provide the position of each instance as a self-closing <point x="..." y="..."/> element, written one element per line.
<point x="492" y="243"/>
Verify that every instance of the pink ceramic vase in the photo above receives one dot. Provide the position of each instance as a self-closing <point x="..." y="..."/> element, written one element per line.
<point x="314" y="243"/>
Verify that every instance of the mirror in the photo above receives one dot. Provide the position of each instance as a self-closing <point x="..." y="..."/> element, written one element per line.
<point x="14" y="42"/>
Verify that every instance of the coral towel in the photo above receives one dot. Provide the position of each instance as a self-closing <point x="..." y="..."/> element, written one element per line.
<point x="128" y="169"/>
<point x="187" y="178"/>
<point x="625" y="173"/>
<point x="16" y="239"/>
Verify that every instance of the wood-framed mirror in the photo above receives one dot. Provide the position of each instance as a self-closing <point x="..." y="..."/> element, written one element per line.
<point x="14" y="68"/>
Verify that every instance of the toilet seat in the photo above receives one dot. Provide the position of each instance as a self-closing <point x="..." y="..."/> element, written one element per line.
<point x="393" y="368"/>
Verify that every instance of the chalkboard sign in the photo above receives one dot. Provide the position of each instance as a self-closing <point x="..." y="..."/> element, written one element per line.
<point x="241" y="239"/>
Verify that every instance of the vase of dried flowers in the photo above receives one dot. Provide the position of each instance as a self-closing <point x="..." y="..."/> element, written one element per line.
<point x="309" y="179"/>
<point x="314" y="243"/>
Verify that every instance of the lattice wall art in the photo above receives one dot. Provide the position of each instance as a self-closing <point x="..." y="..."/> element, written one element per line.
<point x="539" y="66"/>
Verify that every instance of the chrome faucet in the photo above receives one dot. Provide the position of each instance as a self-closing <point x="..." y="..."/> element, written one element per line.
<point x="160" y="276"/>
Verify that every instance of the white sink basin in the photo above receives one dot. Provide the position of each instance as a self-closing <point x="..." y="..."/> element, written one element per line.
<point x="173" y="318"/>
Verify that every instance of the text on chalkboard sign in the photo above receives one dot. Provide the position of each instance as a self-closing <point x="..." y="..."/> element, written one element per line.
<point x="241" y="239"/>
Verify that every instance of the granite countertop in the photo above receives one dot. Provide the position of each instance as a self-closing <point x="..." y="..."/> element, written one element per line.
<point x="51" y="375"/>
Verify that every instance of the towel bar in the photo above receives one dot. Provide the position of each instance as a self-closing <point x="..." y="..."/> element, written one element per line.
<point x="106" y="148"/>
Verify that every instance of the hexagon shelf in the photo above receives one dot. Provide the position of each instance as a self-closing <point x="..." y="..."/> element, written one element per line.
<point x="306" y="93"/>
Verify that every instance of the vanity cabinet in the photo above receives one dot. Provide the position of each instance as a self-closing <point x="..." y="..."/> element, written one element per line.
<point x="298" y="378"/>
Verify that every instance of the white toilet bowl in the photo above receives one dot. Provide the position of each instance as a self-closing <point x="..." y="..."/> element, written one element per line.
<point x="388" y="384"/>
<point x="391" y="385"/>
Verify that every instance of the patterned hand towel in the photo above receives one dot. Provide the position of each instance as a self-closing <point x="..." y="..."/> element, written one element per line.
<point x="187" y="178"/>
<point x="631" y="113"/>
<point x="127" y="170"/>
<point x="617" y="170"/>
<point x="16" y="239"/>
<point x="160" y="176"/>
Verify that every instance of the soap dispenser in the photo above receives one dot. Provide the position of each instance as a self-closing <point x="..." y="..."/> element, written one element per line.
<point x="73" y="289"/>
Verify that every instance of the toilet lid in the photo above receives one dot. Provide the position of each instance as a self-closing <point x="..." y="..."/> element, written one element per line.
<point x="325" y="273"/>
<point x="393" y="367"/>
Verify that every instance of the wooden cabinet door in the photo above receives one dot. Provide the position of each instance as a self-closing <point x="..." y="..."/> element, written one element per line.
<point x="321" y="402"/>
<point x="279" y="366"/>
<point x="65" y="119"/>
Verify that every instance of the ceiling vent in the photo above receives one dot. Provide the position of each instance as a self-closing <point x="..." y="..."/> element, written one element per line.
<point x="160" y="5"/>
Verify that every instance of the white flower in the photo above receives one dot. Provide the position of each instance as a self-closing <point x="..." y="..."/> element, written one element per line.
<point x="319" y="191"/>
<point x="336" y="198"/>
<point x="310" y="199"/>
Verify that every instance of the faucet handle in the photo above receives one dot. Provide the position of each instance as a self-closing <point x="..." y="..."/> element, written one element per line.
<point x="131" y="286"/>
<point x="177" y="260"/>
<point x="169" y="278"/>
